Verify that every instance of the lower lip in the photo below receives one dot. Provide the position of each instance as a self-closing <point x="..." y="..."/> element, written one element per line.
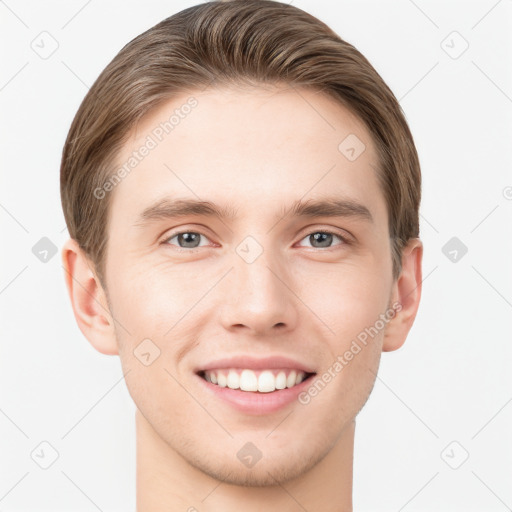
<point x="256" y="403"/>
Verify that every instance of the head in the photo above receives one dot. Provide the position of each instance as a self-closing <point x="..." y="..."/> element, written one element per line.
<point x="258" y="110"/>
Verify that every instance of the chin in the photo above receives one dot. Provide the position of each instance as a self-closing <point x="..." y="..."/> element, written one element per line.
<point x="266" y="472"/>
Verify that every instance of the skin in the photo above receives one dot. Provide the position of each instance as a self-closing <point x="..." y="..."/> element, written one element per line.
<point x="258" y="150"/>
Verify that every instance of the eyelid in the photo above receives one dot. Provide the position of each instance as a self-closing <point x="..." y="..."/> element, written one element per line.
<point x="192" y="228"/>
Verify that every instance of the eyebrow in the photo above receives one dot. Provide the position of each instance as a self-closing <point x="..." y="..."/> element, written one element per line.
<point x="325" y="207"/>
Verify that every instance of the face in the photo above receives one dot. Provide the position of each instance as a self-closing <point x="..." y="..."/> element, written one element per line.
<point x="285" y="290"/>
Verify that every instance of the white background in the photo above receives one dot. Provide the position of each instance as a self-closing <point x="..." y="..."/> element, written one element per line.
<point x="451" y="381"/>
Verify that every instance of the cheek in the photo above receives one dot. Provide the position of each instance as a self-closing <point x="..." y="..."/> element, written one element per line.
<point x="347" y="298"/>
<point x="152" y="300"/>
<point x="157" y="306"/>
<point x="152" y="304"/>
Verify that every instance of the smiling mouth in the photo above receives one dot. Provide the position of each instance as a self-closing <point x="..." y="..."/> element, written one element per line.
<point x="255" y="381"/>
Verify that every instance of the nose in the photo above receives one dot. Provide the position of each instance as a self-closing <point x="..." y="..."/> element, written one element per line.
<point x="257" y="296"/>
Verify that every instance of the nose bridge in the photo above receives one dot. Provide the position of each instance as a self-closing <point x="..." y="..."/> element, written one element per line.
<point x="252" y="268"/>
<point x="257" y="295"/>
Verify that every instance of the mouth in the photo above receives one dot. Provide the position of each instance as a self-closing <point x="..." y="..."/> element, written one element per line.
<point x="255" y="385"/>
<point x="255" y="381"/>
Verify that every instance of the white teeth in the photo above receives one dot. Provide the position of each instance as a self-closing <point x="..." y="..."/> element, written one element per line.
<point x="233" y="380"/>
<point x="247" y="380"/>
<point x="221" y="380"/>
<point x="290" y="381"/>
<point x="266" y="382"/>
<point x="281" y="380"/>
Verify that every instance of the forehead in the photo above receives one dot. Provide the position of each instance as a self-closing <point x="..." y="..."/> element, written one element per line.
<point x="255" y="148"/>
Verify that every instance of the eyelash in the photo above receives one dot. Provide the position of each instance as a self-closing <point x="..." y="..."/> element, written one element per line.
<point x="344" y="239"/>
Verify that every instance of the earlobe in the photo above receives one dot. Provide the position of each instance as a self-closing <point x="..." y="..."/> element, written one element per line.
<point x="406" y="294"/>
<point x="88" y="299"/>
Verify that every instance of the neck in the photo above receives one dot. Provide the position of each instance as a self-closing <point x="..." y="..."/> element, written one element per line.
<point x="166" y="481"/>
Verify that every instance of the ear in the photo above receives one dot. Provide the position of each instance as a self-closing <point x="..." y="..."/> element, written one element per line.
<point x="88" y="299"/>
<point x="406" y="294"/>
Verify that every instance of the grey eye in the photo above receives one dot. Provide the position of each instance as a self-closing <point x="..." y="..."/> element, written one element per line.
<point x="322" y="239"/>
<point x="186" y="239"/>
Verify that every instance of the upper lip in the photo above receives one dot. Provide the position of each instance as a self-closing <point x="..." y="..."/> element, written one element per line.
<point x="253" y="363"/>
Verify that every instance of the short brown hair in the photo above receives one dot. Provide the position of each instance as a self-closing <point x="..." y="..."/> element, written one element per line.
<point x="235" y="42"/>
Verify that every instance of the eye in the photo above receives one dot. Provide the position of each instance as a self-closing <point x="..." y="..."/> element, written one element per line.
<point x="192" y="239"/>
<point x="186" y="239"/>
<point x="323" y="239"/>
